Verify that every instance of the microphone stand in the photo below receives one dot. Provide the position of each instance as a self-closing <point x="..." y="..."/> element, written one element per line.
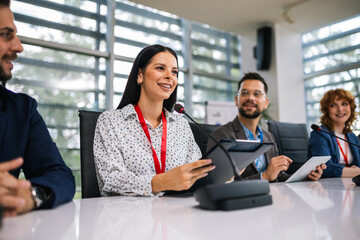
<point x="230" y="196"/>
<point x="318" y="129"/>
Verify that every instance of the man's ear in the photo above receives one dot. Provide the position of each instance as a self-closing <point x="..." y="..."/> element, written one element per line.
<point x="237" y="100"/>
<point x="266" y="103"/>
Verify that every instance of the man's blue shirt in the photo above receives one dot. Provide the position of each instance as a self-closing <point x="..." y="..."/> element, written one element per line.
<point x="260" y="161"/>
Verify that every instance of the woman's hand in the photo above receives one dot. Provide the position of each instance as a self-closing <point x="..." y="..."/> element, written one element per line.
<point x="182" y="177"/>
<point x="350" y="172"/>
<point x="316" y="175"/>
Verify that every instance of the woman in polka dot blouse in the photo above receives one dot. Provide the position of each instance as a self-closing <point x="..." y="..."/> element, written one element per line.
<point x="142" y="148"/>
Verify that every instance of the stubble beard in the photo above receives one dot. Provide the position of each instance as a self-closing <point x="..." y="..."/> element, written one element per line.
<point x="3" y="76"/>
<point x="252" y="115"/>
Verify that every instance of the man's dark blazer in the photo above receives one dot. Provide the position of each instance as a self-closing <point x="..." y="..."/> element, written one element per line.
<point x="234" y="130"/>
<point x="323" y="144"/>
<point x="23" y="133"/>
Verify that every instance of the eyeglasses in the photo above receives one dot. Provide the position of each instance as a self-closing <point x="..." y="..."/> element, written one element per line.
<point x="246" y="93"/>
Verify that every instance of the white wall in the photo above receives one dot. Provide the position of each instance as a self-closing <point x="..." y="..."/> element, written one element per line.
<point x="289" y="66"/>
<point x="284" y="78"/>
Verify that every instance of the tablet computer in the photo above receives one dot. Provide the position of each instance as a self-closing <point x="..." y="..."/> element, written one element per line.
<point x="310" y="165"/>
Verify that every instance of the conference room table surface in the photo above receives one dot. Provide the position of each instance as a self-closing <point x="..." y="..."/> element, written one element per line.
<point x="327" y="209"/>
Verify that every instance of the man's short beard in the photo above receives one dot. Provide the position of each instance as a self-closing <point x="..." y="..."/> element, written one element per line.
<point x="253" y="115"/>
<point x="4" y="77"/>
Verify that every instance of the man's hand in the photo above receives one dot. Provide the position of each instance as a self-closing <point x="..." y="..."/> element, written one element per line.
<point x="182" y="177"/>
<point x="15" y="196"/>
<point x="276" y="165"/>
<point x="316" y="175"/>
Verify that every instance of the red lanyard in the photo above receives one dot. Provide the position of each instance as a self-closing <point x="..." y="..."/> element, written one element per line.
<point x="163" y="140"/>
<point x="342" y="151"/>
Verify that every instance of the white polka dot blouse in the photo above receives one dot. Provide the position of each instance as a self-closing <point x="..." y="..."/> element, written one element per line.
<point x="123" y="156"/>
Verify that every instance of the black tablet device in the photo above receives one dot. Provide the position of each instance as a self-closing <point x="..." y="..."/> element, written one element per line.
<point x="243" y="153"/>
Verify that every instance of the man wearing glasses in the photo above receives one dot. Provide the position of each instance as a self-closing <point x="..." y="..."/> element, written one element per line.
<point x="251" y="101"/>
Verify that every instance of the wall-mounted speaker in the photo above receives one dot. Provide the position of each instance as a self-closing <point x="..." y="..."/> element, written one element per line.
<point x="262" y="51"/>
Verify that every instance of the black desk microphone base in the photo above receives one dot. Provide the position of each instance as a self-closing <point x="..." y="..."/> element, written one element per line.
<point x="235" y="195"/>
<point x="245" y="202"/>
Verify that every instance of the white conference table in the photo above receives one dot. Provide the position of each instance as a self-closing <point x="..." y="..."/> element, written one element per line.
<point x="327" y="209"/>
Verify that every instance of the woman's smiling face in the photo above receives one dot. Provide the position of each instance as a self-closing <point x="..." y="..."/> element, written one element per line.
<point x="159" y="79"/>
<point x="339" y="111"/>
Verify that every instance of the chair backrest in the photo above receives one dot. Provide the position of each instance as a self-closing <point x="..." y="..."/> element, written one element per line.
<point x="200" y="138"/>
<point x="89" y="183"/>
<point x="292" y="141"/>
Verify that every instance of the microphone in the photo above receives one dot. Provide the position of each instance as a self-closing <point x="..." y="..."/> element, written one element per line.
<point x="180" y="109"/>
<point x="316" y="128"/>
<point x="230" y="196"/>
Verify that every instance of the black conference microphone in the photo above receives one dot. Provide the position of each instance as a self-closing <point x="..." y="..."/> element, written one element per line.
<point x="318" y="129"/>
<point x="230" y="196"/>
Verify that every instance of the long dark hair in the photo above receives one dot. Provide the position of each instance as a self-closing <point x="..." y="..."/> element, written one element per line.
<point x="132" y="89"/>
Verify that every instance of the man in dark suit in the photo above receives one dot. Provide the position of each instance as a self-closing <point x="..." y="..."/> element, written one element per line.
<point x="251" y="101"/>
<point x="25" y="142"/>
